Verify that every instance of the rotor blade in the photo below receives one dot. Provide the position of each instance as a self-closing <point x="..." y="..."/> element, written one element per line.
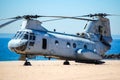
<point x="57" y="19"/>
<point x="37" y="16"/>
<point x="18" y="17"/>
<point x="2" y="25"/>
<point x="65" y="17"/>
<point x="5" y="19"/>
<point x="112" y="15"/>
<point x="51" y="20"/>
<point x="54" y="19"/>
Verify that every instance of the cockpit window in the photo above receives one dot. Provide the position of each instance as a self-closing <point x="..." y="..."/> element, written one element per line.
<point x="32" y="36"/>
<point x="16" y="35"/>
<point x="25" y="36"/>
<point x="20" y="35"/>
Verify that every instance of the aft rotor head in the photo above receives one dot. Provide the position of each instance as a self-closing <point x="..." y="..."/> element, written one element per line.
<point x="99" y="15"/>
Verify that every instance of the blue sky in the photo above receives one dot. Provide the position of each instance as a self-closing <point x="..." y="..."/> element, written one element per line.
<point x="11" y="8"/>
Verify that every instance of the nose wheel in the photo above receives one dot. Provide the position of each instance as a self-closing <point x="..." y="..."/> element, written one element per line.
<point x="27" y="63"/>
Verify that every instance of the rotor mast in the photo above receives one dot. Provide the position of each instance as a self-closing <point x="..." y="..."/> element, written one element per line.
<point x="33" y="25"/>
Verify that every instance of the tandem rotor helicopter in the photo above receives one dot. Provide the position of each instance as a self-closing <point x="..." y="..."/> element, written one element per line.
<point x="87" y="47"/>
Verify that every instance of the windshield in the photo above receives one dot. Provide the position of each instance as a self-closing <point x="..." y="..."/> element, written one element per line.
<point x="24" y="35"/>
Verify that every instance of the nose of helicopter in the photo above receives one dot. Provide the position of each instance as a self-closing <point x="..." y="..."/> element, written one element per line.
<point x="17" y="45"/>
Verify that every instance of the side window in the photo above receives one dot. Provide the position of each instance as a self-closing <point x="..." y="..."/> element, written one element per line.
<point x="74" y="45"/>
<point x="56" y="42"/>
<point x="85" y="46"/>
<point x="68" y="45"/>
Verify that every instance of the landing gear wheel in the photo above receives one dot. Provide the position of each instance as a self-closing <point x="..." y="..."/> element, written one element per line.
<point x="27" y="63"/>
<point x="66" y="63"/>
<point x="49" y="58"/>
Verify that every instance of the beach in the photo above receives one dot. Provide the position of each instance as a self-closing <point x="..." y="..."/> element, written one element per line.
<point x="55" y="70"/>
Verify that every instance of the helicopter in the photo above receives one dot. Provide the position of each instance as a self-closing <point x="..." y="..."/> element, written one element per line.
<point x="87" y="47"/>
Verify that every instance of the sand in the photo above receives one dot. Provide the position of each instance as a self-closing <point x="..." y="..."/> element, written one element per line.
<point x="55" y="70"/>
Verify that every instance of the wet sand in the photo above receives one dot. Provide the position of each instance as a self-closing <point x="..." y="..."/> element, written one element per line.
<point x="55" y="70"/>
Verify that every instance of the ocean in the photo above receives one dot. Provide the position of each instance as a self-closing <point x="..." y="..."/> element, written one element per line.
<point x="7" y="55"/>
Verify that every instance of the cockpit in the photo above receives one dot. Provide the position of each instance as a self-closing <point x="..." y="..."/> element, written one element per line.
<point x="24" y="35"/>
<point x="21" y="40"/>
